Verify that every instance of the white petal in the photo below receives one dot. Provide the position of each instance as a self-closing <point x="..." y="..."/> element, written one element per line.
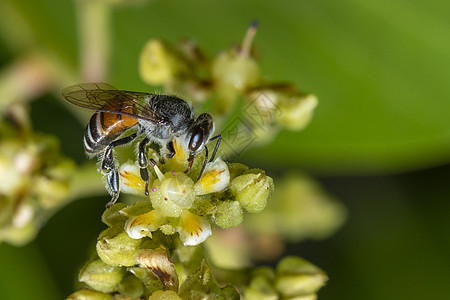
<point x="215" y="178"/>
<point x="130" y="179"/>
<point x="143" y="225"/>
<point x="193" y="229"/>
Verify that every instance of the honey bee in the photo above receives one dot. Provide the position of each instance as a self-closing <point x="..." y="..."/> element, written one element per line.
<point x="158" y="118"/>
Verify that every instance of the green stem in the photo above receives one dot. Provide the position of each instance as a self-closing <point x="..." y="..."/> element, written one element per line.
<point x="93" y="20"/>
<point x="86" y="182"/>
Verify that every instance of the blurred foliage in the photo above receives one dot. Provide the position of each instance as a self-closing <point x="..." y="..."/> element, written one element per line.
<point x="379" y="69"/>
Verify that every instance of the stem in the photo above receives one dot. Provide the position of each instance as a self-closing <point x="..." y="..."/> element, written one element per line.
<point x="86" y="182"/>
<point x="93" y="20"/>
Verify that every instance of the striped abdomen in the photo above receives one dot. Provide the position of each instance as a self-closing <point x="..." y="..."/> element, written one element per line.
<point x="105" y="127"/>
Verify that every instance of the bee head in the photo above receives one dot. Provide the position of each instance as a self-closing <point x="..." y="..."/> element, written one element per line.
<point x="199" y="133"/>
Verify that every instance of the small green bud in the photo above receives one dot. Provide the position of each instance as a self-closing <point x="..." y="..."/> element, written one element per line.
<point x="160" y="64"/>
<point x="252" y="189"/>
<point x="164" y="295"/>
<point x="131" y="286"/>
<point x="101" y="277"/>
<point x="112" y="216"/>
<point x="89" y="295"/>
<point x="298" y="277"/>
<point x="236" y="169"/>
<point x="234" y="72"/>
<point x="202" y="285"/>
<point x="229" y="214"/>
<point x="202" y="207"/>
<point x="261" y="285"/>
<point x="149" y="280"/>
<point x="137" y="208"/>
<point x="260" y="288"/>
<point x="116" y="248"/>
<point x="296" y="111"/>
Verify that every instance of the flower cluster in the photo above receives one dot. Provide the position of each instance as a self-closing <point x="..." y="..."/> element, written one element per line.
<point x="179" y="203"/>
<point x="34" y="178"/>
<point x="152" y="248"/>
<point x="133" y="252"/>
<point x="230" y="77"/>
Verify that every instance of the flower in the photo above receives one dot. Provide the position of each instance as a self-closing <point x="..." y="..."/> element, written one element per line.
<point x="176" y="205"/>
<point x="181" y="203"/>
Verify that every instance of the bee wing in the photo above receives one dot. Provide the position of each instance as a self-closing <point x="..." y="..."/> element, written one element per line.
<point x="104" y="97"/>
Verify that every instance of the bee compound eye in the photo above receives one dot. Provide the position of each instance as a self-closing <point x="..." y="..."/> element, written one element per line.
<point x="196" y="140"/>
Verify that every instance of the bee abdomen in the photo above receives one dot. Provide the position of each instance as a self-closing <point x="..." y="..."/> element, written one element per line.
<point x="103" y="128"/>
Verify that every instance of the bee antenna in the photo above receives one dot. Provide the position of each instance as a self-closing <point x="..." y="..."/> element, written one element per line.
<point x="204" y="164"/>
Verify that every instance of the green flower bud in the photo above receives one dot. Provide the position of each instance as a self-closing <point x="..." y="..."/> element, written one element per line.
<point x="236" y="169"/>
<point x="131" y="286"/>
<point x="113" y="216"/>
<point x="296" y="111"/>
<point x="229" y="214"/>
<point x="252" y="189"/>
<point x="101" y="277"/>
<point x="261" y="285"/>
<point x="160" y="64"/>
<point x="89" y="295"/>
<point x="164" y="295"/>
<point x="116" y="248"/>
<point x="234" y="72"/>
<point x="298" y="277"/>
<point x="149" y="280"/>
<point x="202" y="207"/>
<point x="202" y="285"/>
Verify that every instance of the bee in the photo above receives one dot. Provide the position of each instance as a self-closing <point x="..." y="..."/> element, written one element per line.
<point x="158" y="118"/>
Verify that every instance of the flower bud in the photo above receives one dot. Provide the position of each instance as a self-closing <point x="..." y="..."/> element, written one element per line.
<point x="101" y="277"/>
<point x="89" y="295"/>
<point x="164" y="295"/>
<point x="252" y="189"/>
<point x="131" y="286"/>
<point x="116" y="248"/>
<point x="202" y="285"/>
<point x="157" y="262"/>
<point x="149" y="280"/>
<point x="202" y="207"/>
<point x="298" y="277"/>
<point x="160" y="64"/>
<point x="229" y="214"/>
<point x="236" y="169"/>
<point x="296" y="111"/>
<point x="234" y="72"/>
<point x="112" y="216"/>
<point x="260" y="288"/>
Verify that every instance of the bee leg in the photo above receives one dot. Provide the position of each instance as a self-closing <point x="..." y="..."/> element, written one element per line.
<point x="219" y="139"/>
<point x="113" y="182"/>
<point x="143" y="163"/>
<point x="108" y="165"/>
<point x="204" y="164"/>
<point x="171" y="153"/>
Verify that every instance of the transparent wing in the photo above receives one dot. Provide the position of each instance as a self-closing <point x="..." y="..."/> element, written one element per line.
<point x="104" y="97"/>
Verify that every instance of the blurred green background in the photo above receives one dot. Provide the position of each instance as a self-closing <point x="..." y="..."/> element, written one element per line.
<point x="379" y="140"/>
